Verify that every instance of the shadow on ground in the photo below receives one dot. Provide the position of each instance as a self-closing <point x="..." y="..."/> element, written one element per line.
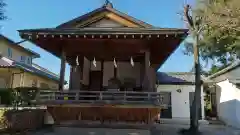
<point x="162" y="129"/>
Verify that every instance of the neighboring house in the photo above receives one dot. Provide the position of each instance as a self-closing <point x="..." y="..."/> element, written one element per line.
<point x="17" y="69"/>
<point x="178" y="90"/>
<point x="227" y="94"/>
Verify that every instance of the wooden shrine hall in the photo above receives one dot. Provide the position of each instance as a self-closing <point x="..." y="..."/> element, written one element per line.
<point x="114" y="59"/>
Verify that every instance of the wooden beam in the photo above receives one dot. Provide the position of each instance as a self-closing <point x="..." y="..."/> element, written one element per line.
<point x="62" y="70"/>
<point x="147" y="68"/>
<point x="102" y="70"/>
<point x="71" y="77"/>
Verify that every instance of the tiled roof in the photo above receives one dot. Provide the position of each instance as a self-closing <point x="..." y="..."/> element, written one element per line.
<point x="176" y="78"/>
<point x="106" y="8"/>
<point x="5" y="62"/>
<point x="113" y="31"/>
<point x="44" y="70"/>
<point x="235" y="81"/>
<point x="225" y="70"/>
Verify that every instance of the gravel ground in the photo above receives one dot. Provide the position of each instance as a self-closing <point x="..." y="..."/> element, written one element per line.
<point x="162" y="129"/>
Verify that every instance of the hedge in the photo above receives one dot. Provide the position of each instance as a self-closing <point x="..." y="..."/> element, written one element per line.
<point x="18" y="96"/>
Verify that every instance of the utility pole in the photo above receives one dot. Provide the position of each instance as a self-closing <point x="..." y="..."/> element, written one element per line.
<point x="195" y="108"/>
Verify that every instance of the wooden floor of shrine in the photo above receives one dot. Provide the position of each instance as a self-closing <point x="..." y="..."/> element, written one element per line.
<point x="103" y="114"/>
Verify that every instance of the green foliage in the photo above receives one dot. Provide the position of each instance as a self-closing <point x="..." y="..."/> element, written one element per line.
<point x="27" y="94"/>
<point x="18" y="96"/>
<point x="219" y="21"/>
<point x="2" y="5"/>
<point x="3" y="121"/>
<point x="6" y="96"/>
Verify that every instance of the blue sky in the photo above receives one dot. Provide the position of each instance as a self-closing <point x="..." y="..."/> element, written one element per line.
<point x="27" y="14"/>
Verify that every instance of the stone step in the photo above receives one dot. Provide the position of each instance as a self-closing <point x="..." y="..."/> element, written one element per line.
<point x="181" y="121"/>
<point x="216" y="122"/>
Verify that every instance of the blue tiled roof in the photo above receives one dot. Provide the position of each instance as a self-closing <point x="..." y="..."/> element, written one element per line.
<point x="175" y="77"/>
<point x="34" y="70"/>
<point x="5" y="63"/>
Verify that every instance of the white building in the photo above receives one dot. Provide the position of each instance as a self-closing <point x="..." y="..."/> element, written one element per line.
<point x="227" y="91"/>
<point x="180" y="88"/>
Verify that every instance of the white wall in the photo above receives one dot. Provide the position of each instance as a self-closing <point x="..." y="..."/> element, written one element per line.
<point x="16" y="52"/>
<point x="228" y="103"/>
<point x="180" y="101"/>
<point x="238" y="103"/>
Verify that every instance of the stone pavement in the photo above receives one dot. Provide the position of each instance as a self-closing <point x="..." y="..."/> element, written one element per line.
<point x="162" y="129"/>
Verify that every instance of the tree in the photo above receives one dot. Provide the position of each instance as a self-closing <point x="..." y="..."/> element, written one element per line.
<point x="195" y="29"/>
<point x="2" y="15"/>
<point x="220" y="37"/>
<point x="202" y="71"/>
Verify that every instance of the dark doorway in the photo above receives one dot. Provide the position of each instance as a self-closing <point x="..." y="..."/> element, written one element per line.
<point x="95" y="80"/>
<point x="166" y="99"/>
<point x="191" y="98"/>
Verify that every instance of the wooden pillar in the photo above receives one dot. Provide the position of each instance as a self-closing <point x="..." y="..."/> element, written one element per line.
<point x="152" y="78"/>
<point x="62" y="70"/>
<point x="102" y="70"/>
<point x="76" y="75"/>
<point x="71" y="77"/>
<point x="142" y="72"/>
<point x="147" y="84"/>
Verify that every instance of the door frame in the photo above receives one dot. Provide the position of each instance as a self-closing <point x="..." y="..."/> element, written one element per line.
<point x="169" y="109"/>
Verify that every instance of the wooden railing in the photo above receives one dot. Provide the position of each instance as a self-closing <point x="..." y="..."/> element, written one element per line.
<point x="100" y="97"/>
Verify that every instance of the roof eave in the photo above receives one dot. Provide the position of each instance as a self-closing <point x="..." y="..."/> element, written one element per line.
<point x="110" y="9"/>
<point x="97" y="31"/>
<point x="225" y="70"/>
<point x="34" y="54"/>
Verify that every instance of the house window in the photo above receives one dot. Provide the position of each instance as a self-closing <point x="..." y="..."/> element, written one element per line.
<point x="34" y="83"/>
<point x="23" y="59"/>
<point x="29" y="60"/>
<point x="10" y="52"/>
<point x="44" y="86"/>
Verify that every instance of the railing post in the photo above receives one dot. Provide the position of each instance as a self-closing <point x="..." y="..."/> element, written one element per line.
<point x="100" y="95"/>
<point x="149" y="96"/>
<point x="77" y="96"/>
<point x="124" y="96"/>
<point x="50" y="96"/>
<point x="53" y="96"/>
<point x="37" y="98"/>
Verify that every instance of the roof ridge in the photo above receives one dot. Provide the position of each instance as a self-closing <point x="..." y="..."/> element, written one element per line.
<point x="111" y="9"/>
<point x="178" y="72"/>
<point x="226" y="69"/>
<point x="45" y="69"/>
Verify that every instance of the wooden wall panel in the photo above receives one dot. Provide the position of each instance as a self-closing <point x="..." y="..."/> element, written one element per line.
<point x="110" y="114"/>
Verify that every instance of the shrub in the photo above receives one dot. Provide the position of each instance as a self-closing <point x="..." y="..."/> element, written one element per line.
<point x="18" y="96"/>
<point x="6" y="96"/>
<point x="27" y="94"/>
<point x="3" y="120"/>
